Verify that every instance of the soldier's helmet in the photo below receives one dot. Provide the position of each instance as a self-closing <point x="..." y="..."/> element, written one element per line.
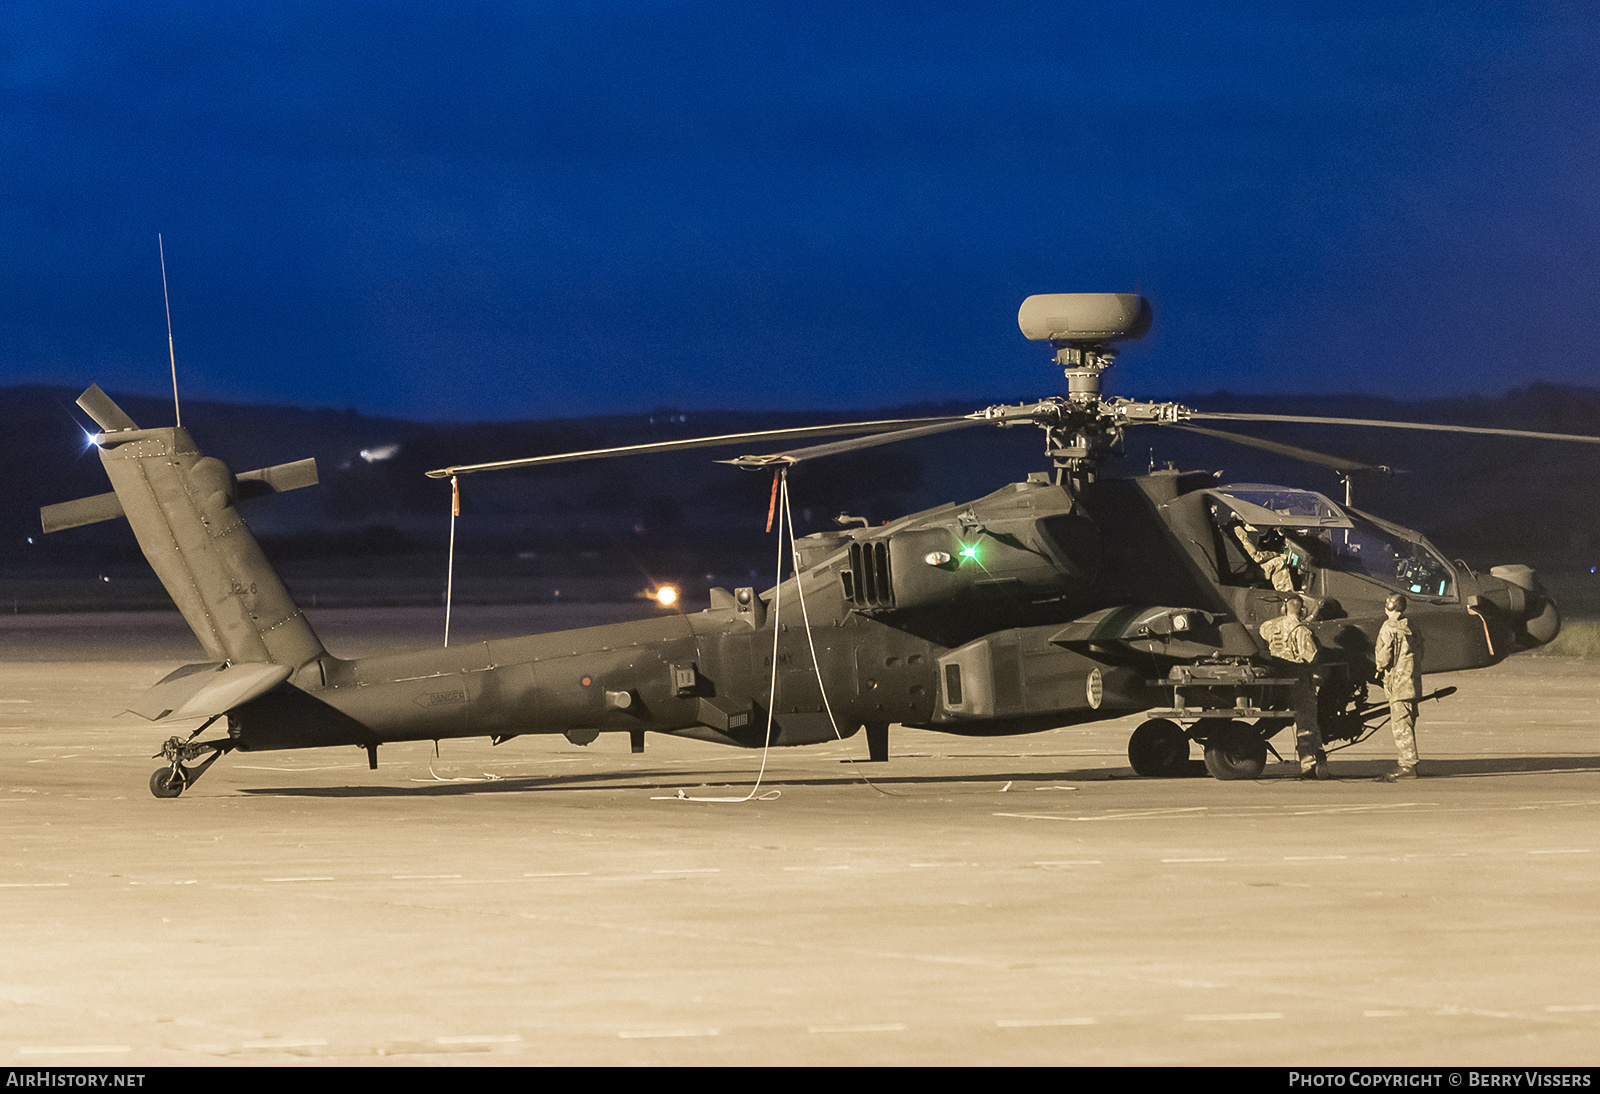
<point x="1395" y="603"/>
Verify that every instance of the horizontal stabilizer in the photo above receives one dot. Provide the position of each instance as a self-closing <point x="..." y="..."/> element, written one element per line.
<point x="278" y="478"/>
<point x="252" y="484"/>
<point x="75" y="514"/>
<point x="200" y="691"/>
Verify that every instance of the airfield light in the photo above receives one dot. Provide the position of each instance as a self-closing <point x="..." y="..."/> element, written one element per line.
<point x="380" y="453"/>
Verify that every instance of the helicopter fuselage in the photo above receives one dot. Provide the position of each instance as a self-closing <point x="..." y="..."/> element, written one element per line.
<point x="1027" y="609"/>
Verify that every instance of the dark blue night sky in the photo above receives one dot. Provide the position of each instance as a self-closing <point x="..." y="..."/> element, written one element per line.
<point x="489" y="210"/>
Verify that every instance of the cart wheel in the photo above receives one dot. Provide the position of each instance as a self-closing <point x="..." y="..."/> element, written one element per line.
<point x="1158" y="748"/>
<point x="1236" y="752"/>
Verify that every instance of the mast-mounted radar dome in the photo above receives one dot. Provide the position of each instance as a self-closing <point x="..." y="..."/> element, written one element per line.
<point x="1082" y="327"/>
<point x="1084" y="318"/>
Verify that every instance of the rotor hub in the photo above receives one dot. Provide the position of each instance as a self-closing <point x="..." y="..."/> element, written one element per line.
<point x="1083" y="328"/>
<point x="1082" y="368"/>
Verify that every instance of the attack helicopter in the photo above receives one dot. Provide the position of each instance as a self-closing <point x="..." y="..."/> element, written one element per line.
<point x="1070" y="597"/>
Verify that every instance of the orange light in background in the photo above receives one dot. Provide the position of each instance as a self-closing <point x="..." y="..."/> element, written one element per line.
<point x="666" y="596"/>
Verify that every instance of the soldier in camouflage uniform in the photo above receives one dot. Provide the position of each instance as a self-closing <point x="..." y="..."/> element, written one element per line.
<point x="1398" y="659"/>
<point x="1294" y="647"/>
<point x="1277" y="566"/>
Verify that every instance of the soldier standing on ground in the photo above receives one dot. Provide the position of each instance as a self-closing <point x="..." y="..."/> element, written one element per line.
<point x="1291" y="643"/>
<point x="1398" y="659"/>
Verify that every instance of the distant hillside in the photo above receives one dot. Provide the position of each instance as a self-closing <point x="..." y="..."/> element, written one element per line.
<point x="1483" y="499"/>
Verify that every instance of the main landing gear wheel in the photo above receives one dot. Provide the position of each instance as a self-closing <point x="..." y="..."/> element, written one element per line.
<point x="167" y="782"/>
<point x="1235" y="751"/>
<point x="1159" y="748"/>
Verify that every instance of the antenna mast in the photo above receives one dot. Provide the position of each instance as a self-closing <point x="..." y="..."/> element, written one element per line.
<point x="171" y="353"/>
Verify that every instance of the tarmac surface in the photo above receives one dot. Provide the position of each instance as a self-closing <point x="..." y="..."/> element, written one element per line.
<point x="1022" y="900"/>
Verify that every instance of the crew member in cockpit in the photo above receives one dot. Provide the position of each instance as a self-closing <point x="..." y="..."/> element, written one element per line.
<point x="1279" y="566"/>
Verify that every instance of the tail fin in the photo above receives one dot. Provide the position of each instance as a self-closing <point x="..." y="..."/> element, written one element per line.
<point x="182" y="506"/>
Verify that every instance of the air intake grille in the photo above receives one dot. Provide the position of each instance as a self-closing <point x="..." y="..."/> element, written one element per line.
<point x="867" y="584"/>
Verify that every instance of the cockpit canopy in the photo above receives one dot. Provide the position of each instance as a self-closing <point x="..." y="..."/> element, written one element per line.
<point x="1281" y="507"/>
<point x="1316" y="533"/>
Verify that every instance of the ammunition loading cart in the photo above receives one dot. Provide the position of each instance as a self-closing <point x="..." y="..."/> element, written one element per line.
<point x="1233" y="710"/>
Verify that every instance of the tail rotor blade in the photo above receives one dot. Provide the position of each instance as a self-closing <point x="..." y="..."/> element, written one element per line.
<point x="106" y="414"/>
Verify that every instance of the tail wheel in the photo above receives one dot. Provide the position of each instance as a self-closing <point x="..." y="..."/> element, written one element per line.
<point x="1159" y="748"/>
<point x="1236" y="751"/>
<point x="167" y="782"/>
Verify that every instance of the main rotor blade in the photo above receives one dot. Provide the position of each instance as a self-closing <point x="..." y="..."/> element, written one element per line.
<point x="799" y="455"/>
<point x="1305" y="455"/>
<point x="799" y="433"/>
<point x="1374" y="423"/>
